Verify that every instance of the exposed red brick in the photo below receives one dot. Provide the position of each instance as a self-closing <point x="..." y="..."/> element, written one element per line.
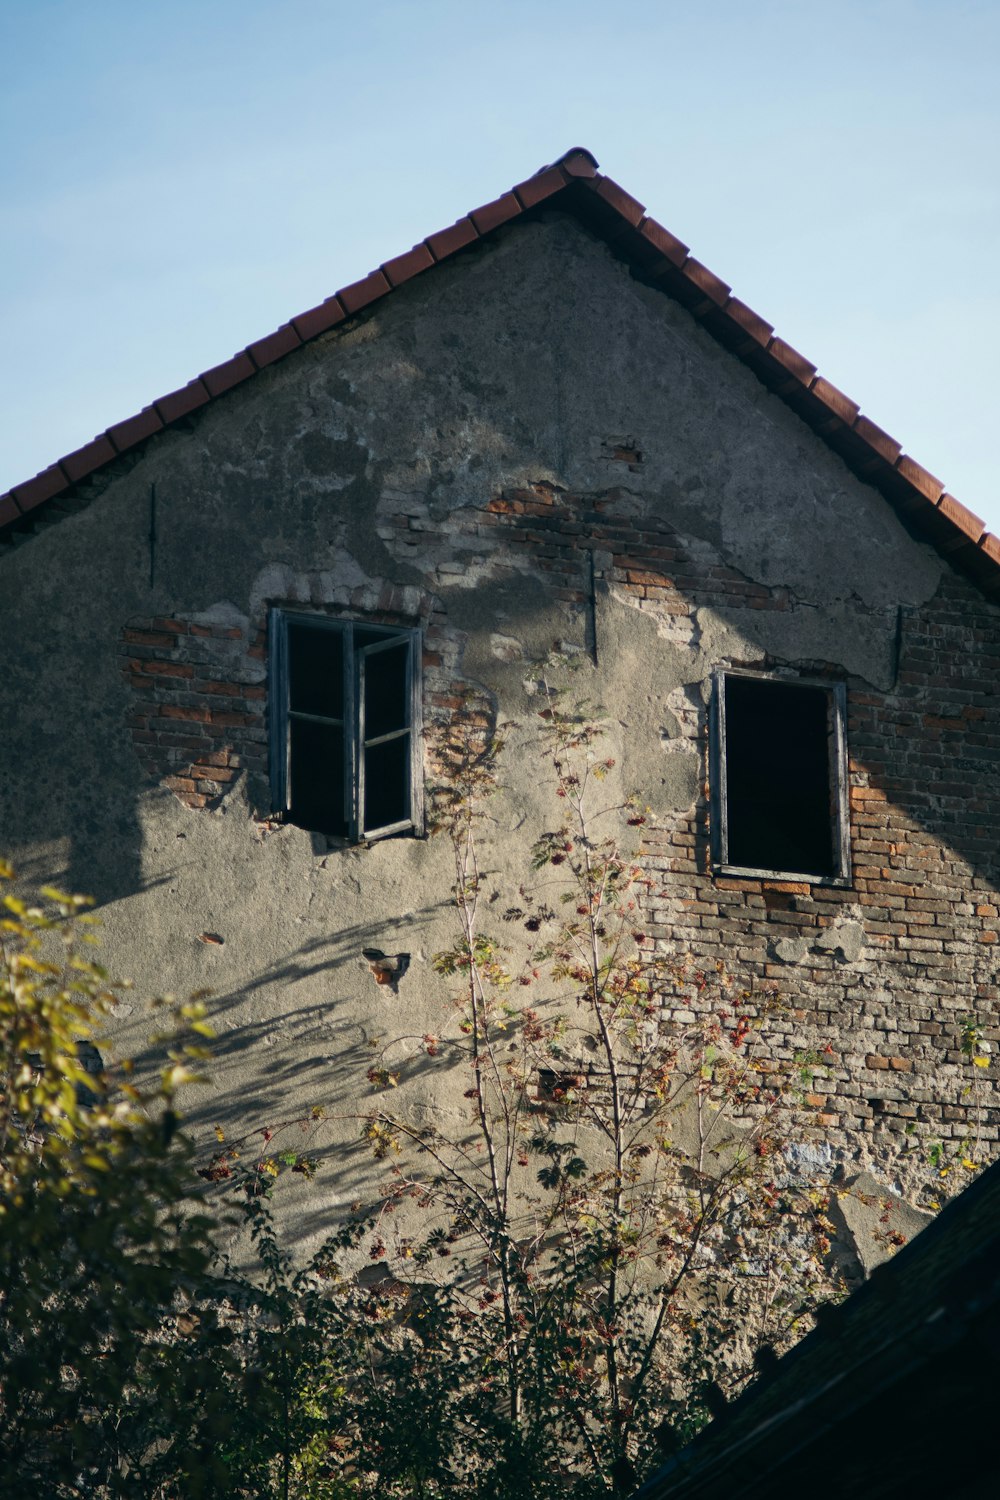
<point x="275" y="346"/>
<point x="492" y="215"/>
<point x="227" y="720"/>
<point x="148" y="637"/>
<point x="179" y="783"/>
<point x="360" y="293"/>
<point x="214" y="773"/>
<point x="176" y="711"/>
<point x="223" y="377"/>
<point x="164" y="668"/>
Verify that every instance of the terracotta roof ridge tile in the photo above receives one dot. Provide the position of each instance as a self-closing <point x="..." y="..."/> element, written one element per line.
<point x="664" y="259"/>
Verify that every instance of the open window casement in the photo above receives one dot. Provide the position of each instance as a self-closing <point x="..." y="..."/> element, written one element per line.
<point x="345" y="726"/>
<point x="778" y="769"/>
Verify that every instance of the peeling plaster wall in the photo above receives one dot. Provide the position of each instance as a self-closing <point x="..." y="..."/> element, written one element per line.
<point x="526" y="448"/>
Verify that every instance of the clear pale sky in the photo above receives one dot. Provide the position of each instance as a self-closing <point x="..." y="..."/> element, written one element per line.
<point x="178" y="177"/>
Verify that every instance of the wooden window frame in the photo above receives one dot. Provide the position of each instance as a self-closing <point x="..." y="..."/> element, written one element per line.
<point x="840" y="826"/>
<point x="355" y="662"/>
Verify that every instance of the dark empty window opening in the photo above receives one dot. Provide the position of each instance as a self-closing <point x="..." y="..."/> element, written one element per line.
<point x="779" y="778"/>
<point x="345" y="725"/>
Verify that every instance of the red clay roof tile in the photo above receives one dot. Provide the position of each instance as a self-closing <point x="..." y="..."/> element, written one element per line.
<point x="282" y="341"/>
<point x="623" y="203"/>
<point x="880" y="442"/>
<point x="749" y="321"/>
<point x="668" y="244"/>
<point x="790" y="359"/>
<point x="404" y="267"/>
<point x="34" y="492"/>
<point x="842" y="406"/>
<point x="706" y="281"/>
<point x="919" y="477"/>
<point x="360" y="293"/>
<point x="178" y="403"/>
<point x="574" y="174"/>
<point x="960" y="515"/>
<point x="578" y="162"/>
<point x="135" y="429"/>
<point x="317" y="320"/>
<point x="91" y="456"/>
<point x="492" y="215"/>
<point x="544" y="183"/>
<point x="223" y="377"/>
<point x="454" y="238"/>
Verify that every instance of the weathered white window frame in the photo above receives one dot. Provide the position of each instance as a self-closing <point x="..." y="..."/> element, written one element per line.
<point x="357" y="660"/>
<point x="840" y="827"/>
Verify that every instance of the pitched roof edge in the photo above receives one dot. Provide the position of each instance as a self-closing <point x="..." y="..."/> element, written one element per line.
<point x="667" y="263"/>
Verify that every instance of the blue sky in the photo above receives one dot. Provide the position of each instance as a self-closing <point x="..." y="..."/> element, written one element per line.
<point x="177" y="177"/>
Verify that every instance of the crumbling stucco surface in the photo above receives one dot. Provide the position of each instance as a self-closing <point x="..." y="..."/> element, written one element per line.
<point x="472" y="457"/>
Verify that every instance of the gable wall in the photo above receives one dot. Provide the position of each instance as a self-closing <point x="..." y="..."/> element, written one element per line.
<point x="527" y="448"/>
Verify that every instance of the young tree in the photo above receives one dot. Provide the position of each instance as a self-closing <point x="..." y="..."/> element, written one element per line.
<point x="573" y="1272"/>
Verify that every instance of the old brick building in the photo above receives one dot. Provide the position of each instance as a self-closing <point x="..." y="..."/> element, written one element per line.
<point x="232" y="621"/>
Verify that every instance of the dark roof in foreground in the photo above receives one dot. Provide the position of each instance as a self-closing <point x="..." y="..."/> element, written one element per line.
<point x="894" y="1393"/>
<point x="572" y="184"/>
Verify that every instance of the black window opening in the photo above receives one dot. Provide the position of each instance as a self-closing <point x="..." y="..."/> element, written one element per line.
<point x="345" y="726"/>
<point x="779" y="778"/>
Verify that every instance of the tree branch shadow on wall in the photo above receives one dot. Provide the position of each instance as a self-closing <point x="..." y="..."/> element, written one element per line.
<point x="271" y="1071"/>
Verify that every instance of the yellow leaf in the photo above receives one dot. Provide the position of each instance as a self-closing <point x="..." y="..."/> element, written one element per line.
<point x="980" y="1062"/>
<point x="220" y="1134"/>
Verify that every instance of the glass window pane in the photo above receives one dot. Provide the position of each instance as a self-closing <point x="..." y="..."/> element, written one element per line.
<point x="387" y="783"/>
<point x="386" y="698"/>
<point x="316" y="670"/>
<point x="779" y="782"/>
<point x="317" y="777"/>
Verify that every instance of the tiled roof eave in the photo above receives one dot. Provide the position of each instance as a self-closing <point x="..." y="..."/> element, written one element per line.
<point x="573" y="183"/>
